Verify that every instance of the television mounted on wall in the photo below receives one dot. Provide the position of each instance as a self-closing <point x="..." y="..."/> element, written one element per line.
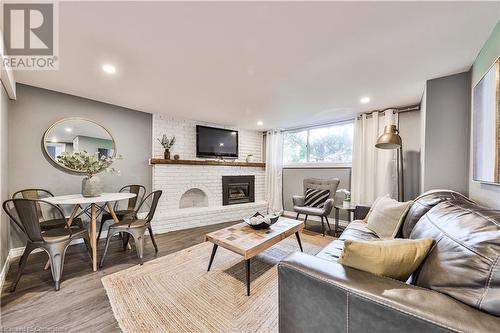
<point x="215" y="142"/>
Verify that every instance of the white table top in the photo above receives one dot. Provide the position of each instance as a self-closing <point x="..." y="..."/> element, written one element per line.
<point x="75" y="199"/>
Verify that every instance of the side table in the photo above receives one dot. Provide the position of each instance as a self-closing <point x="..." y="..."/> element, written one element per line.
<point x="349" y="209"/>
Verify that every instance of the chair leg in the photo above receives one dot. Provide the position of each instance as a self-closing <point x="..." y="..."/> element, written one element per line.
<point x="108" y="239"/>
<point x="297" y="216"/>
<point x="56" y="257"/>
<point x="100" y="230"/>
<point x="22" y="265"/>
<point x="87" y="245"/>
<point x="323" y="226"/>
<point x="126" y="238"/>
<point x="305" y="220"/>
<point x="328" y="223"/>
<point x="139" y="246"/>
<point x="152" y="238"/>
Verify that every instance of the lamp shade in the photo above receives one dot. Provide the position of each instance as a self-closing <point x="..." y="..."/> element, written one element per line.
<point x="390" y="139"/>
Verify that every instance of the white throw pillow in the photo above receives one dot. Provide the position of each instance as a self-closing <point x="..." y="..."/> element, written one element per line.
<point x="386" y="216"/>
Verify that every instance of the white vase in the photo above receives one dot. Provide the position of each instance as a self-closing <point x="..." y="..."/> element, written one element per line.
<point x="91" y="186"/>
<point x="346" y="204"/>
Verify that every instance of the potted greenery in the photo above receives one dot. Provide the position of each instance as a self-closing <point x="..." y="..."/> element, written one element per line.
<point x="90" y="164"/>
<point x="166" y="144"/>
<point x="346" y="203"/>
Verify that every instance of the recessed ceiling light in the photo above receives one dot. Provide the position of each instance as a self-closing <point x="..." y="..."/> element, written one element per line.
<point x="110" y="69"/>
<point x="67" y="129"/>
<point x="260" y="123"/>
<point x="365" y="100"/>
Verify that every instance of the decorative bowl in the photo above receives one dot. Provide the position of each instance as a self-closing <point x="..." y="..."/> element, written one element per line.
<point x="263" y="225"/>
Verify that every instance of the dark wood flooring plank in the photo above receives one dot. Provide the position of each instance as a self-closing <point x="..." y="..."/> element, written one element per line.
<point x="82" y="304"/>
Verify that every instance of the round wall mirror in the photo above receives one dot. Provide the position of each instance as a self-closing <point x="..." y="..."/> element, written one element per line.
<point x="73" y="135"/>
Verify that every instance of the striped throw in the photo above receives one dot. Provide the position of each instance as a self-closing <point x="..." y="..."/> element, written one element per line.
<point x="316" y="198"/>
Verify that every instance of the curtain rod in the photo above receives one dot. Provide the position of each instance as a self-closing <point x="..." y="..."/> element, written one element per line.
<point x="294" y="129"/>
<point x="401" y="109"/>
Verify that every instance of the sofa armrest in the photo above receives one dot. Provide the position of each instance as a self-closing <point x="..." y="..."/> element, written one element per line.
<point x="360" y="212"/>
<point x="298" y="200"/>
<point x="317" y="295"/>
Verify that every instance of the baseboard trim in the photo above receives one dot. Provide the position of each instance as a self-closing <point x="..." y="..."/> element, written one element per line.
<point x="5" y="269"/>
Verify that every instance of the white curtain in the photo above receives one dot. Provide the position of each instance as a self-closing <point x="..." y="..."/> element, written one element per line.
<point x="274" y="170"/>
<point x="374" y="170"/>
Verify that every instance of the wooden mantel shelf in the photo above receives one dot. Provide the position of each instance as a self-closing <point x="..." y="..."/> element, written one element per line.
<point x="207" y="162"/>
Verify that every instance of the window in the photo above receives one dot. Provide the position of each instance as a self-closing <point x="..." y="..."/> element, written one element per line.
<point x="330" y="145"/>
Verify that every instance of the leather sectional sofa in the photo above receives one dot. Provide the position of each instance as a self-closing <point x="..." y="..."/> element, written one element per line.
<point x="456" y="289"/>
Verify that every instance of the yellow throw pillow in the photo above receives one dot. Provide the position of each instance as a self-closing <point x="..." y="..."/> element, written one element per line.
<point x="394" y="258"/>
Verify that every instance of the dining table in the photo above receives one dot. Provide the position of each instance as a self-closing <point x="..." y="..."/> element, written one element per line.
<point x="78" y="201"/>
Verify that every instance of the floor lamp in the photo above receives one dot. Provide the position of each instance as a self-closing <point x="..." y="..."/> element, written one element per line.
<point x="390" y="139"/>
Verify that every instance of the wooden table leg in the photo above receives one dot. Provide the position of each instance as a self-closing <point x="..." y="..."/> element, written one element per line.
<point x="93" y="240"/>
<point x="112" y="212"/>
<point x="73" y="214"/>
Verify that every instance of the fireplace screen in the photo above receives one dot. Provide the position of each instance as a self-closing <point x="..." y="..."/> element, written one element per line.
<point x="239" y="193"/>
<point x="237" y="189"/>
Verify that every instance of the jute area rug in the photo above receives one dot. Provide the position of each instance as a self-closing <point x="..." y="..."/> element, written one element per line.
<point x="175" y="293"/>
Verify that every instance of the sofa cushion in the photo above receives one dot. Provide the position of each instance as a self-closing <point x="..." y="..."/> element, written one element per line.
<point x="309" y="210"/>
<point x="423" y="204"/>
<point x="356" y="230"/>
<point x="386" y="216"/>
<point x="464" y="262"/>
<point x="394" y="258"/>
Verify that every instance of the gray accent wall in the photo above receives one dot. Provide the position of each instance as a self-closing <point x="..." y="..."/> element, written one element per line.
<point x="36" y="109"/>
<point x="4" y="221"/>
<point x="293" y="182"/>
<point x="446" y="127"/>
<point x="409" y="129"/>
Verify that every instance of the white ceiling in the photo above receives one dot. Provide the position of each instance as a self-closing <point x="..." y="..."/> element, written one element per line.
<point x="285" y="63"/>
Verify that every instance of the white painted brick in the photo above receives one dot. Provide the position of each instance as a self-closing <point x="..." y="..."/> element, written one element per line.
<point x="175" y="180"/>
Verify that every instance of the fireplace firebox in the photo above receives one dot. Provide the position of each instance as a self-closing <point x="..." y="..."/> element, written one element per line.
<point x="238" y="189"/>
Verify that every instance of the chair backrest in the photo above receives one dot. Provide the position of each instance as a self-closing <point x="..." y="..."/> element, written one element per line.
<point x="322" y="184"/>
<point x="33" y="193"/>
<point x="132" y="203"/>
<point x="27" y="214"/>
<point x="148" y="205"/>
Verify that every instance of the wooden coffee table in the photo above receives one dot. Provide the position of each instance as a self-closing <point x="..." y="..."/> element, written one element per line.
<point x="248" y="242"/>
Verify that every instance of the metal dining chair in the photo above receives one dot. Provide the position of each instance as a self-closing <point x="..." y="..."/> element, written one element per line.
<point x="40" y="194"/>
<point x="130" y="209"/>
<point x="28" y="215"/>
<point x="136" y="227"/>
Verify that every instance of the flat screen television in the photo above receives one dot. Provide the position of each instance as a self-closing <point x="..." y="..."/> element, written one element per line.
<point x="216" y="142"/>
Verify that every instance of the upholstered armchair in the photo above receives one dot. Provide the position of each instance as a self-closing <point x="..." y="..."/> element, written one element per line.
<point x="299" y="201"/>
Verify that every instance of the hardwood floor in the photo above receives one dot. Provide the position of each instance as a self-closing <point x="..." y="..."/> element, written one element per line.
<point x="82" y="305"/>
